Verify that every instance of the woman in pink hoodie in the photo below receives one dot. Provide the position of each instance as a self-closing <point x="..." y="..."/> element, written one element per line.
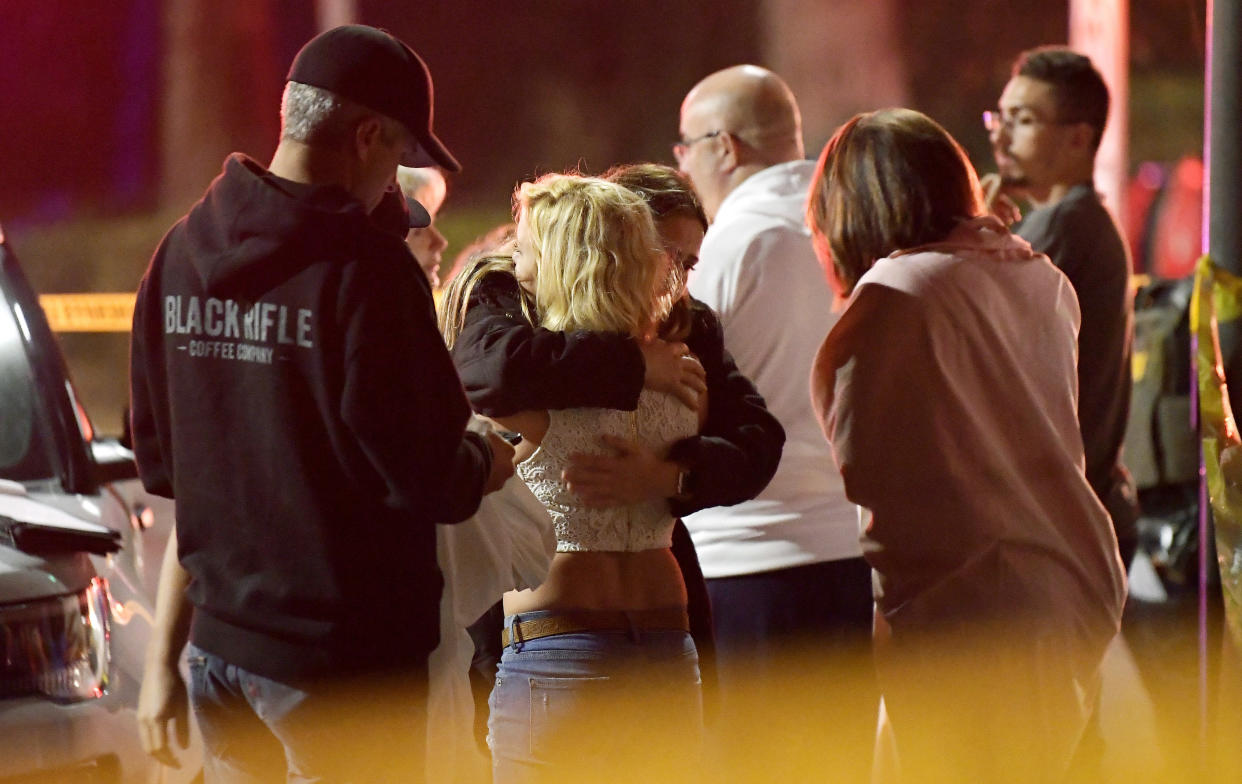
<point x="948" y="390"/>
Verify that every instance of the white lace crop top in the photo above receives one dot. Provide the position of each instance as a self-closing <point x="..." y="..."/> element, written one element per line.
<point x="658" y="421"/>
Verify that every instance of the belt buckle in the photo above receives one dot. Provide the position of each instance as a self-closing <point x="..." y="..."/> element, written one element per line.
<point x="515" y="632"/>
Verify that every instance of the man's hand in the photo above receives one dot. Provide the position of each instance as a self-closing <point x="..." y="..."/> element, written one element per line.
<point x="161" y="700"/>
<point x="634" y="473"/>
<point x="502" y="463"/>
<point x="997" y="201"/>
<point x="673" y="369"/>
<point x="162" y="697"/>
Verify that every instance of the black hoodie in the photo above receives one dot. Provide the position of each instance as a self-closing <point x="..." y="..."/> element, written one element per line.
<point x="291" y="392"/>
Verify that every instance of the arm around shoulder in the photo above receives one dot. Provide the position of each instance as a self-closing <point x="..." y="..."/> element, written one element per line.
<point x="508" y="365"/>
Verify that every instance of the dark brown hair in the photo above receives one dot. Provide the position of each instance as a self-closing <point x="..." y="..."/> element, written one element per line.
<point x="1077" y="87"/>
<point x="666" y="190"/>
<point x="668" y="193"/>
<point x="886" y="181"/>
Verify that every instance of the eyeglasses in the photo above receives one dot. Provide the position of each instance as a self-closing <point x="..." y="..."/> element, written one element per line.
<point x="995" y="120"/>
<point x="682" y="146"/>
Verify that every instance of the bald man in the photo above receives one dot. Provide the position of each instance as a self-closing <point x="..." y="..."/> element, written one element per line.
<point x="785" y="571"/>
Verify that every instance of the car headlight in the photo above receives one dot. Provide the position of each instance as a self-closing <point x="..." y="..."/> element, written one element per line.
<point x="57" y="647"/>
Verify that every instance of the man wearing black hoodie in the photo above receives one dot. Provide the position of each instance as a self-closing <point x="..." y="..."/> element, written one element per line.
<point x="292" y="393"/>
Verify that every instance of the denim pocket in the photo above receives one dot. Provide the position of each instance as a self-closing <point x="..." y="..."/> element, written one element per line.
<point x="569" y="716"/>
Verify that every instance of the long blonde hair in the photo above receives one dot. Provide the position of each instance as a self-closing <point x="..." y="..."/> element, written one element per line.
<point x="598" y="256"/>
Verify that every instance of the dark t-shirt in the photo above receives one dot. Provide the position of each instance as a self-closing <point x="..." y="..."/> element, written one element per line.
<point x="1082" y="239"/>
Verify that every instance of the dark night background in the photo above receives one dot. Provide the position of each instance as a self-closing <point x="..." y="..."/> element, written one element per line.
<point x="116" y="116"/>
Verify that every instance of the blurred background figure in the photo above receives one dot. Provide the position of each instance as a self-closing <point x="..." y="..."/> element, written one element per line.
<point x="427" y="186"/>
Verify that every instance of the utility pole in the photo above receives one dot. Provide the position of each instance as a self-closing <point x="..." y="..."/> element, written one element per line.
<point x="839" y="58"/>
<point x="1222" y="241"/>
<point x="334" y="13"/>
<point x="1100" y="29"/>
<point x="222" y="86"/>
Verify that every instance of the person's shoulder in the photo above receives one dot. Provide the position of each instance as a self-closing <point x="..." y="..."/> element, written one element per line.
<point x="495" y="288"/>
<point x="1085" y="213"/>
<point x="1081" y="208"/>
<point x="747" y="236"/>
<point x="704" y="323"/>
<point x="916" y="271"/>
<point x="379" y="247"/>
<point x="497" y="280"/>
<point x="175" y="240"/>
<point x="1080" y="227"/>
<point x="378" y="263"/>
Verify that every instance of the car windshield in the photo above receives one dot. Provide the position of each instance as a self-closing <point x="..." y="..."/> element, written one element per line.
<point x="23" y="456"/>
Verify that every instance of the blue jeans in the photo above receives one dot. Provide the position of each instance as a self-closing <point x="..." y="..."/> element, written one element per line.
<point x="256" y="729"/>
<point x="596" y="706"/>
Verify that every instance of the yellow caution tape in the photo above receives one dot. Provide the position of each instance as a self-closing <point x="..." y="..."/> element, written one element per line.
<point x="88" y="312"/>
<point x="1217" y="297"/>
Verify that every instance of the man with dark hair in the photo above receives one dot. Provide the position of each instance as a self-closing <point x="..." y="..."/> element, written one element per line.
<point x="1045" y="133"/>
<point x="292" y="393"/>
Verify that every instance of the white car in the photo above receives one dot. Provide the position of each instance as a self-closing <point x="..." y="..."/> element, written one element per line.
<point x="80" y="552"/>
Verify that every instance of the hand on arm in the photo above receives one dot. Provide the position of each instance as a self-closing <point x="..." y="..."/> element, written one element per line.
<point x="162" y="698"/>
<point x="671" y="368"/>
<point x="631" y="474"/>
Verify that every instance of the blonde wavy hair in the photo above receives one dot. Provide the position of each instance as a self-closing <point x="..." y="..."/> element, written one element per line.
<point x="598" y="256"/>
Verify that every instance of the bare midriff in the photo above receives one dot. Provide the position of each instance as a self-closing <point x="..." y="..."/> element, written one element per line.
<point x="605" y="580"/>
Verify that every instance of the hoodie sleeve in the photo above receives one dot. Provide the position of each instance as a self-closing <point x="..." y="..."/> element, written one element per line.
<point x="507" y="365"/>
<point x="148" y="408"/>
<point x="402" y="398"/>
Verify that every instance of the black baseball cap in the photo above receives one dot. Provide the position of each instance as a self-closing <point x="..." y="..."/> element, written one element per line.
<point x="374" y="69"/>
<point x="419" y="217"/>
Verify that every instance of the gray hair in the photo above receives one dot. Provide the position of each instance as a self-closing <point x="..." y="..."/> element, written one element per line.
<point x="312" y="115"/>
<point x="315" y="116"/>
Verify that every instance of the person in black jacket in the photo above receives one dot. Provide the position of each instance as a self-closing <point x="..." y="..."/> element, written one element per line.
<point x="291" y="392"/>
<point x="508" y="365"/>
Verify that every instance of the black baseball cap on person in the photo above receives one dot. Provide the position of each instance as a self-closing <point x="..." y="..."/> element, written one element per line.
<point x="373" y="69"/>
<point x="419" y="217"/>
<point x="396" y="214"/>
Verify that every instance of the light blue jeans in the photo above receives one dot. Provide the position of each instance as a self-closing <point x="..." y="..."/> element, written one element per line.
<point x="257" y="730"/>
<point x="596" y="706"/>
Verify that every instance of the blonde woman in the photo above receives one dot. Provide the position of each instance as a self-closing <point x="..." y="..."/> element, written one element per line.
<point x="598" y="674"/>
